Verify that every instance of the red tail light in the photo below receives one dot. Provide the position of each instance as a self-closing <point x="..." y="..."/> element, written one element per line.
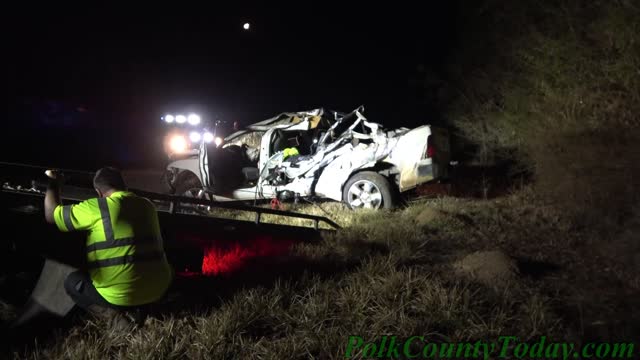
<point x="431" y="150"/>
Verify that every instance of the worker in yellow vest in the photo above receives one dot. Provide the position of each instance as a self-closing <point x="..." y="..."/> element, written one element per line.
<point x="127" y="266"/>
<point x="289" y="152"/>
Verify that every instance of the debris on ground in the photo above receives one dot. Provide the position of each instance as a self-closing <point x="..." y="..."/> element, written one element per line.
<point x="488" y="267"/>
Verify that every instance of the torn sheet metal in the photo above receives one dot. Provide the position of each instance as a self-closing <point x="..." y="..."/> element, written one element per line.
<point x="333" y="147"/>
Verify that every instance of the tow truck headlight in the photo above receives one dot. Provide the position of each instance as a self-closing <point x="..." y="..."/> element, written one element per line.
<point x="195" y="136"/>
<point x="208" y="137"/>
<point x="218" y="141"/>
<point x="178" y="144"/>
<point x="181" y="119"/>
<point x="169" y="118"/>
<point x="193" y="119"/>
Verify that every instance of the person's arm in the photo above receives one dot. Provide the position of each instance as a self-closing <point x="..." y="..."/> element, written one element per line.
<point x="52" y="197"/>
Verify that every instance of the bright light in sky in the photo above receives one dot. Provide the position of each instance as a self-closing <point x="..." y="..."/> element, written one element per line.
<point x="246" y="26"/>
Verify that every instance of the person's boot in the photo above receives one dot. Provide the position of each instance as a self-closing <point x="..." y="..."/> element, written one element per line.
<point x="115" y="320"/>
<point x="102" y="312"/>
<point x="120" y="320"/>
<point x="137" y="316"/>
<point x="122" y="323"/>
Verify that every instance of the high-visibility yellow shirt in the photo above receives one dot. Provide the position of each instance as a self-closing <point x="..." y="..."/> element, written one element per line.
<point x="289" y="152"/>
<point x="125" y="254"/>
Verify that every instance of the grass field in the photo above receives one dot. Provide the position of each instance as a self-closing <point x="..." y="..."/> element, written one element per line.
<point x="393" y="273"/>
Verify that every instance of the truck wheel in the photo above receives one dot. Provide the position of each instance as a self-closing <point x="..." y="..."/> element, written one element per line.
<point x="188" y="185"/>
<point x="369" y="190"/>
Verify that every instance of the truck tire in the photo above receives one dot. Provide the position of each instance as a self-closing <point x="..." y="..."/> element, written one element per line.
<point x="369" y="189"/>
<point x="187" y="184"/>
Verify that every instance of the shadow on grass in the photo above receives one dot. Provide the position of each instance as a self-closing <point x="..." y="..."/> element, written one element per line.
<point x="197" y="292"/>
<point x="536" y="269"/>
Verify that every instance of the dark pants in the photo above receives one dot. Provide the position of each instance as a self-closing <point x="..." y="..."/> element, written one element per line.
<point x="80" y="288"/>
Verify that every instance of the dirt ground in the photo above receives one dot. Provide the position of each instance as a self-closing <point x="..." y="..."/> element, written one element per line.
<point x="494" y="268"/>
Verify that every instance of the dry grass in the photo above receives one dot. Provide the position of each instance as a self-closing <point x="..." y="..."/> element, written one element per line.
<point x="555" y="85"/>
<point x="390" y="273"/>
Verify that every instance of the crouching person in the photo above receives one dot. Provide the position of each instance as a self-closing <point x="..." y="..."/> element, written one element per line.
<point x="127" y="269"/>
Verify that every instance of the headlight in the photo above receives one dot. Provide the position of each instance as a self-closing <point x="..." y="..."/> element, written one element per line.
<point x="193" y="119"/>
<point x="178" y="144"/>
<point x="218" y="141"/>
<point x="169" y="118"/>
<point x="208" y="137"/>
<point x="195" y="136"/>
<point x="181" y="119"/>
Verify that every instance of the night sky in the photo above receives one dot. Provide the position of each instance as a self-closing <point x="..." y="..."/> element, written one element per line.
<point x="88" y="86"/>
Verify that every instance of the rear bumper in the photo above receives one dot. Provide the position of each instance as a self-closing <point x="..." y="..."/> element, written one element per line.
<point x="426" y="171"/>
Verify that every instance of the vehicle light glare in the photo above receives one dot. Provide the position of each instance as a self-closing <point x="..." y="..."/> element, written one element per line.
<point x="195" y="136"/>
<point x="218" y="141"/>
<point x="181" y="119"/>
<point x="178" y="144"/>
<point x="169" y="118"/>
<point x="194" y="119"/>
<point x="208" y="137"/>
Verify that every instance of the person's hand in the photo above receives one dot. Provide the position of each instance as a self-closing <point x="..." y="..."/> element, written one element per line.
<point x="55" y="176"/>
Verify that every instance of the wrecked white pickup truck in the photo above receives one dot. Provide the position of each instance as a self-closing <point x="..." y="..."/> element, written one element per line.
<point x="315" y="153"/>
